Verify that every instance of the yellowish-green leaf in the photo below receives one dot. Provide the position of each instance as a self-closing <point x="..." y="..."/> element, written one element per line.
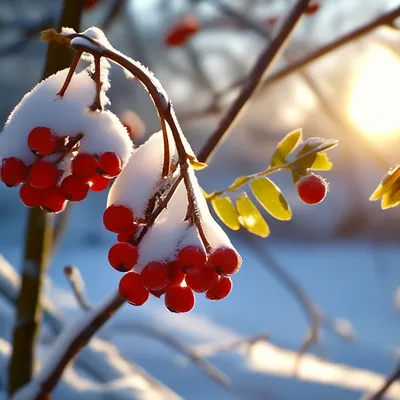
<point x="271" y="198"/>
<point x="316" y="145"/>
<point x="197" y="165"/>
<point x="315" y="161"/>
<point x="321" y="162"/>
<point x="391" y="198"/>
<point x="285" y="147"/>
<point x="387" y="182"/>
<point x="238" y="182"/>
<point x="226" y="212"/>
<point x="250" y="217"/>
<point x="204" y="193"/>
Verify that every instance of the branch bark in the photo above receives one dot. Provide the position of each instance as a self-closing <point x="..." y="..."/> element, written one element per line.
<point x="38" y="245"/>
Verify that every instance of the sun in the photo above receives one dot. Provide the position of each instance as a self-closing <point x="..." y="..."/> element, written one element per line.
<point x="374" y="98"/>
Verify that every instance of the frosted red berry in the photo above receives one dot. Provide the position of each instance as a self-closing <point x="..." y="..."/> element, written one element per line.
<point x="192" y="257"/>
<point x="31" y="196"/>
<point x="179" y="299"/>
<point x="123" y="256"/>
<point x="181" y="32"/>
<point x="175" y="273"/>
<point x="54" y="200"/>
<point x="132" y="290"/>
<point x="155" y="275"/>
<point x="200" y="280"/>
<point x="98" y="183"/>
<point x="110" y="164"/>
<point x="220" y="289"/>
<point x="42" y="141"/>
<point x="13" y="171"/>
<point x="225" y="261"/>
<point x="84" y="165"/>
<point x="74" y="188"/>
<point x="313" y="7"/>
<point x="43" y="174"/>
<point x="312" y="189"/>
<point x="118" y="218"/>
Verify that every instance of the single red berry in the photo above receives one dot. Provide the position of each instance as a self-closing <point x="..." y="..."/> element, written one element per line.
<point x="84" y="165"/>
<point x="313" y="7"/>
<point x="155" y="275"/>
<point x="43" y="174"/>
<point x="200" y="280"/>
<point x="225" y="261"/>
<point x="118" y="218"/>
<point x="42" y="141"/>
<point x="13" y="171"/>
<point x="128" y="236"/>
<point x="192" y="257"/>
<point x="123" y="256"/>
<point x="179" y="299"/>
<point x="31" y="196"/>
<point x="220" y="289"/>
<point x="181" y="32"/>
<point x="54" y="200"/>
<point x="110" y="164"/>
<point x="157" y="293"/>
<point x="175" y="273"/>
<point x="312" y="189"/>
<point x="98" y="183"/>
<point x="132" y="290"/>
<point x="74" y="188"/>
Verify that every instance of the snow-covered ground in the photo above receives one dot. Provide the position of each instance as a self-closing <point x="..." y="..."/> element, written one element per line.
<point x="351" y="280"/>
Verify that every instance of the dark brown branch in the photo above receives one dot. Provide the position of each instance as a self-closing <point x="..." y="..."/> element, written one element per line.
<point x="96" y="106"/>
<point x="78" y="286"/>
<point x="253" y="80"/>
<point x="395" y="376"/>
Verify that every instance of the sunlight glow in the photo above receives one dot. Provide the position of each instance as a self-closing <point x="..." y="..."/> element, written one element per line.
<point x="374" y="104"/>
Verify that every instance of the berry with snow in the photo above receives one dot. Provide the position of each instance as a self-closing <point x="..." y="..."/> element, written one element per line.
<point x="118" y="218"/>
<point x="42" y="141"/>
<point x="179" y="299"/>
<point x="132" y="290"/>
<point x="84" y="165"/>
<point x="74" y="188"/>
<point x="225" y="261"/>
<point x="155" y="275"/>
<point x="43" y="174"/>
<point x="110" y="164"/>
<point x="192" y="257"/>
<point x="54" y="200"/>
<point x="312" y="189"/>
<point x="220" y="289"/>
<point x="200" y="280"/>
<point x="123" y="256"/>
<point x="13" y="171"/>
<point x="31" y="196"/>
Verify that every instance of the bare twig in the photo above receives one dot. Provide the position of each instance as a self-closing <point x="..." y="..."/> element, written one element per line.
<point x="78" y="286"/>
<point x="253" y="80"/>
<point x="212" y="371"/>
<point x="388" y="382"/>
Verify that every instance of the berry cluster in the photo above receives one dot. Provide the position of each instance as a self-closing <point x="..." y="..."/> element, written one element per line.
<point x="192" y="269"/>
<point x="49" y="182"/>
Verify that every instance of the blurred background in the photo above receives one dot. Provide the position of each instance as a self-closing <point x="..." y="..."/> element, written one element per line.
<point x="332" y="269"/>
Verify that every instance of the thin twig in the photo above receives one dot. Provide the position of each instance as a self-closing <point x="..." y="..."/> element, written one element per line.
<point x="78" y="286"/>
<point x="212" y="371"/>
<point x="253" y="80"/>
<point x="385" y="387"/>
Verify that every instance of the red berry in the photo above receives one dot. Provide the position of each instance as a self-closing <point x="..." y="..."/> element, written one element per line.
<point x="123" y="256"/>
<point x="312" y="189"/>
<point x="128" y="236"/>
<point x="54" y="200"/>
<point x="225" y="261"/>
<point x="181" y="32"/>
<point x="200" y="280"/>
<point x="13" y="171"/>
<point x="118" y="218"/>
<point x="155" y="275"/>
<point x="74" y="188"/>
<point x="98" y="183"/>
<point x="192" y="257"/>
<point x="132" y="290"/>
<point x="84" y="165"/>
<point x="313" y="7"/>
<point x="43" y="175"/>
<point x="176" y="275"/>
<point x="220" y="289"/>
<point x="31" y="196"/>
<point x="179" y="299"/>
<point x="110" y="164"/>
<point x="42" y="141"/>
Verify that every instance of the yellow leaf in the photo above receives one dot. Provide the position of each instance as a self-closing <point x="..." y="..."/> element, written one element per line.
<point x="391" y="198"/>
<point x="271" y="198"/>
<point x="250" y="217"/>
<point x="197" y="165"/>
<point x="285" y="147"/>
<point x="226" y="212"/>
<point x="238" y="182"/>
<point x="387" y="182"/>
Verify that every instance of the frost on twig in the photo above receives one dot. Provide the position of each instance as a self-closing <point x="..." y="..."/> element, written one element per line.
<point x="78" y="286"/>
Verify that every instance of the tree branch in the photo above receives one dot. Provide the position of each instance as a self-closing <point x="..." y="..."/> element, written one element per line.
<point x="78" y="286"/>
<point x="388" y="382"/>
